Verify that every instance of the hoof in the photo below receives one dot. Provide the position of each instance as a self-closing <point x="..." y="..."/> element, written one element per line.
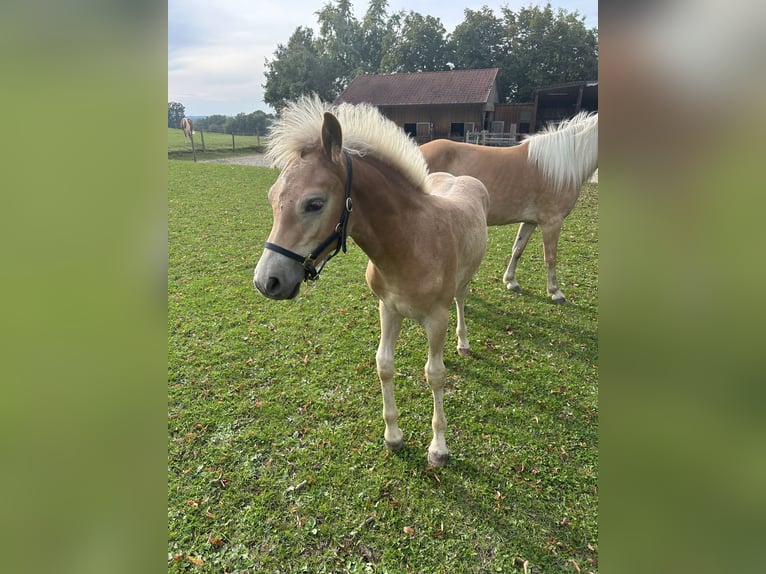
<point x="464" y="352"/>
<point x="513" y="287"/>
<point x="397" y="445"/>
<point x="437" y="460"/>
<point x="560" y="301"/>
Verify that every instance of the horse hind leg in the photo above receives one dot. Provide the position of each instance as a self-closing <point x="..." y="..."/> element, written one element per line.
<point x="522" y="238"/>
<point x="551" y="234"/>
<point x="390" y="327"/>
<point x="436" y="330"/>
<point x="463" y="348"/>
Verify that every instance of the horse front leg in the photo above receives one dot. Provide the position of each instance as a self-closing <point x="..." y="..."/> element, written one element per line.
<point x="522" y="238"/>
<point x="436" y="330"/>
<point x="390" y="327"/>
<point x="551" y="232"/>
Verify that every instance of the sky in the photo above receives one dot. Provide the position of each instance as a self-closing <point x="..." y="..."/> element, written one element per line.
<point x="217" y="48"/>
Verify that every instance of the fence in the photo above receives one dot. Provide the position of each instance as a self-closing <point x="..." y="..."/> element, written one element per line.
<point x="498" y="139"/>
<point x="214" y="142"/>
<point x="246" y="140"/>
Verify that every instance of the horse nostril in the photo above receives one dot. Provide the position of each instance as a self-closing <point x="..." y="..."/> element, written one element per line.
<point x="272" y="285"/>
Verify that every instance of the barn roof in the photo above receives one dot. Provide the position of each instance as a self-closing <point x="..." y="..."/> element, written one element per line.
<point x="425" y="88"/>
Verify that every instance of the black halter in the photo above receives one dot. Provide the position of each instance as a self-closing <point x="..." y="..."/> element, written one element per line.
<point x="339" y="236"/>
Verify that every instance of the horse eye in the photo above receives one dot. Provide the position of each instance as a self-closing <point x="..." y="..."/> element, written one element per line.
<point x="314" y="205"/>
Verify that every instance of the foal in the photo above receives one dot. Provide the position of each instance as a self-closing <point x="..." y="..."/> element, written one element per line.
<point x="425" y="235"/>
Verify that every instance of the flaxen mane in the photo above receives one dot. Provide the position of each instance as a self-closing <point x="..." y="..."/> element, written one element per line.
<point x="365" y="132"/>
<point x="567" y="154"/>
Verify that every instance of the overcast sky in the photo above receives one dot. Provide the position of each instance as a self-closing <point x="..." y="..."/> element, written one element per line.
<point x="217" y="48"/>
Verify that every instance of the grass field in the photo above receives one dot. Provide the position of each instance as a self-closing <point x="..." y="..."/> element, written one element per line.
<point x="276" y="461"/>
<point x="216" y="145"/>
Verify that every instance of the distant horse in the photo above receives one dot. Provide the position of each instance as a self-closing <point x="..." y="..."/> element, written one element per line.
<point x="535" y="183"/>
<point x="187" y="127"/>
<point x="425" y="235"/>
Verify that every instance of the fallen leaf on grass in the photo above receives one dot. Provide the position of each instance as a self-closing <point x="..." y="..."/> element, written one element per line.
<point x="409" y="530"/>
<point x="439" y="533"/>
<point x="196" y="561"/>
<point x="217" y="542"/>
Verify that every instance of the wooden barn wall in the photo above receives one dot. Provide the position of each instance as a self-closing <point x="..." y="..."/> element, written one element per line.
<point x="519" y="114"/>
<point x="441" y="117"/>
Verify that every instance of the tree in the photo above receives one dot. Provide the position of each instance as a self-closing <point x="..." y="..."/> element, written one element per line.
<point x="420" y="46"/>
<point x="297" y="69"/>
<point x="479" y="41"/>
<point x="546" y="48"/>
<point x="377" y="34"/>
<point x="176" y="113"/>
<point x="339" y="42"/>
<point x="534" y="48"/>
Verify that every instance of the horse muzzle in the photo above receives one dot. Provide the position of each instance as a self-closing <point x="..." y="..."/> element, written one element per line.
<point x="277" y="279"/>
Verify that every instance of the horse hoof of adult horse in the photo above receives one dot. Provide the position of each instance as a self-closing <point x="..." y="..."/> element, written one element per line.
<point x="464" y="352"/>
<point x="437" y="460"/>
<point x="560" y="301"/>
<point x="513" y="286"/>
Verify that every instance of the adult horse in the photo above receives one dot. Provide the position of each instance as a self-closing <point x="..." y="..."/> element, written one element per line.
<point x="534" y="183"/>
<point x="188" y="128"/>
<point x="347" y="170"/>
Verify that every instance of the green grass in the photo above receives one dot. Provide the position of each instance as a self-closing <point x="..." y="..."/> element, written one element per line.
<point x="217" y="146"/>
<point x="276" y="461"/>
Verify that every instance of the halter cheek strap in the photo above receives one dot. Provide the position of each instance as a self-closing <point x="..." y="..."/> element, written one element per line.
<point x="310" y="272"/>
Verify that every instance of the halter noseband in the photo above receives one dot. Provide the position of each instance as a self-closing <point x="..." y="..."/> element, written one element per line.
<point x="310" y="273"/>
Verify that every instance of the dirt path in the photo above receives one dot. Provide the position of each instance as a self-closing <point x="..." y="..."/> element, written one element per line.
<point x="256" y="159"/>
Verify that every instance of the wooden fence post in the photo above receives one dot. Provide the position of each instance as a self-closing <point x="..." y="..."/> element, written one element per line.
<point x="232" y="140"/>
<point x="202" y="135"/>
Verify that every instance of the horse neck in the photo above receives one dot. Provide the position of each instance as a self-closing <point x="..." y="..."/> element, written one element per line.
<point x="385" y="204"/>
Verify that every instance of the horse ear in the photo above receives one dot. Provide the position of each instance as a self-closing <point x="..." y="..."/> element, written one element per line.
<point x="332" y="137"/>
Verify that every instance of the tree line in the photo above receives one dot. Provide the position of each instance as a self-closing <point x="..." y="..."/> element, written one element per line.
<point x="254" y="123"/>
<point x="533" y="47"/>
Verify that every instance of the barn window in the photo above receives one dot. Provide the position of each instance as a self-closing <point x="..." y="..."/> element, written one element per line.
<point x="457" y="129"/>
<point x="525" y="117"/>
<point x="411" y="130"/>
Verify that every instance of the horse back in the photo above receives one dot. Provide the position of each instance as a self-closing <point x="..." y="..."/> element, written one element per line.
<point x="466" y="200"/>
<point x="468" y="194"/>
<point x="516" y="187"/>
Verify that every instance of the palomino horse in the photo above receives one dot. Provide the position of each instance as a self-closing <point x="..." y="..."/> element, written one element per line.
<point x="535" y="183"/>
<point x="425" y="235"/>
<point x="187" y="127"/>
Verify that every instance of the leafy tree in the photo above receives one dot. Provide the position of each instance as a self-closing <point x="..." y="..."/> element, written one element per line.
<point x="212" y="123"/>
<point x="533" y="48"/>
<point x="421" y="46"/>
<point x="339" y="42"/>
<point x="297" y="69"/>
<point x="176" y="112"/>
<point x="376" y="36"/>
<point x="546" y="47"/>
<point x="479" y="41"/>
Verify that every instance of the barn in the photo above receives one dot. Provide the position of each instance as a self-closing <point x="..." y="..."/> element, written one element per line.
<point x="558" y="101"/>
<point x="464" y="105"/>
